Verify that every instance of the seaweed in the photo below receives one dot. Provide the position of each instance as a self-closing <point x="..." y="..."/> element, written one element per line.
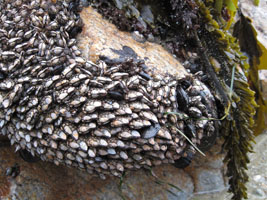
<point x="257" y="53"/>
<point x="239" y="123"/>
<point x="231" y="8"/>
<point x="256" y="2"/>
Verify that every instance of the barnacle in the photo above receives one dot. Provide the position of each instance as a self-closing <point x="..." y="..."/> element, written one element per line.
<point x="106" y="117"/>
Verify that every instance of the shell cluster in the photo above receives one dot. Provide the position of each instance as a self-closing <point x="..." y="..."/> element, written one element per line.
<point x="104" y="118"/>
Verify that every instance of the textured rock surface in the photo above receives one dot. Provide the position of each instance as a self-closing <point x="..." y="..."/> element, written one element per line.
<point x="100" y="38"/>
<point x="263" y="82"/>
<point x="47" y="181"/>
<point x="257" y="186"/>
<point x="44" y="180"/>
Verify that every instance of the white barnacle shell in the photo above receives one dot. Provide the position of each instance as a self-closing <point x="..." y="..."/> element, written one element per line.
<point x="68" y="69"/>
<point x="163" y="133"/>
<point x="92" y="105"/>
<point x="7" y="84"/>
<point x="138" y="106"/>
<point x="105" y="117"/>
<point x="139" y="123"/>
<point x="83" y="146"/>
<point x="102" y="133"/>
<point x="78" y="101"/>
<point x="46" y="102"/>
<point x="148" y="115"/>
<point x="86" y="127"/>
<point x="110" y="105"/>
<point x="123" y="110"/>
<point x="91" y="153"/>
<point x="98" y="92"/>
<point x="74" y="145"/>
<point x="120" y="121"/>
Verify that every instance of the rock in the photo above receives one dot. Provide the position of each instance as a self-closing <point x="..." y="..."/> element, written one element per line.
<point x="169" y="184"/>
<point x="259" y="193"/>
<point x="257" y="185"/>
<point x="43" y="180"/>
<point x="258" y="178"/>
<point x="101" y="38"/>
<point x="208" y="180"/>
<point x="263" y="82"/>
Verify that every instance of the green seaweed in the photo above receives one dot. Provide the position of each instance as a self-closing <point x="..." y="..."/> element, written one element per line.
<point x="256" y="2"/>
<point x="257" y="53"/>
<point x="231" y="6"/>
<point x="239" y="123"/>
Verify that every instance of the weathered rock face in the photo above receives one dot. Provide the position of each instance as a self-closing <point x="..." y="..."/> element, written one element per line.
<point x="45" y="181"/>
<point x="101" y="38"/>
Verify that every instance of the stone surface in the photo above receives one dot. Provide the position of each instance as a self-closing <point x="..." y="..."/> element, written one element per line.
<point x="208" y="180"/>
<point x="257" y="185"/>
<point x="44" y="180"/>
<point x="101" y="38"/>
<point x="263" y="82"/>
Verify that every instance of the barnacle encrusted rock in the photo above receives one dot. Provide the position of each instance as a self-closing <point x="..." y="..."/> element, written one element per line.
<point x="104" y="117"/>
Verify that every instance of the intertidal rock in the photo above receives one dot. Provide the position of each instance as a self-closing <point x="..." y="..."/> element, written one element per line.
<point x="105" y="117"/>
<point x="101" y="38"/>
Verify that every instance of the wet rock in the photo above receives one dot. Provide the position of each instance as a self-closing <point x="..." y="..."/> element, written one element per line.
<point x="44" y="180"/>
<point x="263" y="82"/>
<point x="100" y="38"/>
<point x="209" y="180"/>
<point x="258" y="178"/>
<point x="257" y="185"/>
<point x="259" y="193"/>
<point x="169" y="184"/>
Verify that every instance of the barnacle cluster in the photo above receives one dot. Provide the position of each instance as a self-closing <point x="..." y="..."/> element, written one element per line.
<point x="104" y="118"/>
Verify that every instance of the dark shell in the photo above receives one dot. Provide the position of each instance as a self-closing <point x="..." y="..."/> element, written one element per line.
<point x="182" y="98"/>
<point x="151" y="131"/>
